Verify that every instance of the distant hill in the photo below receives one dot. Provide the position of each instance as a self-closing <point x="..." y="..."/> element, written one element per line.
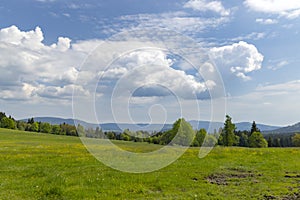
<point x="262" y="127"/>
<point x="288" y="129"/>
<point x="57" y="120"/>
<point x="118" y="127"/>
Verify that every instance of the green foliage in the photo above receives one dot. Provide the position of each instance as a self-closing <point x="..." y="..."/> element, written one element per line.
<point x="182" y="133"/>
<point x="111" y="135"/>
<point x="209" y="141"/>
<point x="270" y="142"/>
<point x="277" y="142"/>
<point x="80" y="130"/>
<point x="34" y="127"/>
<point x="45" y="127"/>
<point x="2" y="115"/>
<point x="296" y="140"/>
<point x="7" y="123"/>
<point x="257" y="140"/>
<point x="21" y="125"/>
<point x="67" y="129"/>
<point x="279" y="139"/>
<point x="124" y="136"/>
<point x="30" y="121"/>
<point x="228" y="136"/>
<point x="199" y="138"/>
<point x="243" y="138"/>
<point x="55" y="129"/>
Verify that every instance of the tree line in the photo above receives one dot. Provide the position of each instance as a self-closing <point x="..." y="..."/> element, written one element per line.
<point x="254" y="138"/>
<point x="181" y="133"/>
<point x="40" y="127"/>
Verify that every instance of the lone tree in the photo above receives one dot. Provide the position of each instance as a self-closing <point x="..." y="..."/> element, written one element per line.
<point x="182" y="134"/>
<point x="257" y="140"/>
<point x="254" y="128"/>
<point x="228" y="136"/>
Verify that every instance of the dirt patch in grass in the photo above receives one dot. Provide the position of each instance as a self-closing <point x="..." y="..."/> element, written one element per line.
<point x="229" y="175"/>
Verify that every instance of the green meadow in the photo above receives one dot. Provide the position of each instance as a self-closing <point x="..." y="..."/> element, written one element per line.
<point x="45" y="166"/>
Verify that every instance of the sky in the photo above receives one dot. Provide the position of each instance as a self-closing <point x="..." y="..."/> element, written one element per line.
<point x="151" y="61"/>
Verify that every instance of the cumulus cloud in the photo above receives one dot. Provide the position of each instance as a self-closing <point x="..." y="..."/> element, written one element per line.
<point x="30" y="39"/>
<point x="240" y="58"/>
<point x="63" y="44"/>
<point x="203" y="5"/>
<point x="150" y="73"/>
<point x="286" y="8"/>
<point x="31" y="69"/>
<point x="164" y="81"/>
<point x="27" y="64"/>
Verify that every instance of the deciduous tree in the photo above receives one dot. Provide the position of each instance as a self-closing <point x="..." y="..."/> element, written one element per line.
<point x="257" y="140"/>
<point x="296" y="140"/>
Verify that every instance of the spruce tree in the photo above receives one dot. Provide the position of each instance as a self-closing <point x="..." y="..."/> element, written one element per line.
<point x="228" y="135"/>
<point x="254" y="128"/>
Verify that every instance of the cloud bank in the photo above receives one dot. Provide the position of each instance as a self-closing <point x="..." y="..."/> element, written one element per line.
<point x="32" y="70"/>
<point x="286" y="8"/>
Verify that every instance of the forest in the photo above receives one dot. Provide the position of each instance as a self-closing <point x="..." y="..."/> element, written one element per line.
<point x="181" y="133"/>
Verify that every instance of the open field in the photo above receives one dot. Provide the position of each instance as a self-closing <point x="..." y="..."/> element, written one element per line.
<point x="43" y="166"/>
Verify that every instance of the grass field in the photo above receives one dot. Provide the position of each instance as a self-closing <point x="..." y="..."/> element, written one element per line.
<point x="41" y="166"/>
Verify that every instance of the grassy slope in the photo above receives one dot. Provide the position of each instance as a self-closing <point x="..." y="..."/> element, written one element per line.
<point x="40" y="166"/>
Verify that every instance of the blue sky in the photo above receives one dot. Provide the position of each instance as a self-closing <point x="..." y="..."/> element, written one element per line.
<point x="254" y="44"/>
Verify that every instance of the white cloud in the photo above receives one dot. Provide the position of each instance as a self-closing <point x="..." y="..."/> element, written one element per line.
<point x="240" y="58"/>
<point x="278" y="64"/>
<point x="151" y="70"/>
<point x="64" y="92"/>
<point x="63" y="44"/>
<point x="30" y="39"/>
<point x="251" y="36"/>
<point x="203" y="5"/>
<point x="287" y="88"/>
<point x="183" y="22"/>
<point x="31" y="69"/>
<point x="286" y="8"/>
<point x="27" y="64"/>
<point x="266" y="21"/>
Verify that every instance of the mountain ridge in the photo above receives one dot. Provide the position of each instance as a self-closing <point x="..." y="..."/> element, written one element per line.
<point x="210" y="126"/>
<point x="295" y="128"/>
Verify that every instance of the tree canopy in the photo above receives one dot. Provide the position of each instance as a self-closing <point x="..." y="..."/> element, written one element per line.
<point x="296" y="140"/>
<point x="257" y="140"/>
<point x="228" y="136"/>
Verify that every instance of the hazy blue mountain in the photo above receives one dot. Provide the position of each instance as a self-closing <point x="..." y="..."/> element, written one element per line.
<point x="262" y="127"/>
<point x="288" y="129"/>
<point x="57" y="120"/>
<point x="118" y="127"/>
<point x="240" y="126"/>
